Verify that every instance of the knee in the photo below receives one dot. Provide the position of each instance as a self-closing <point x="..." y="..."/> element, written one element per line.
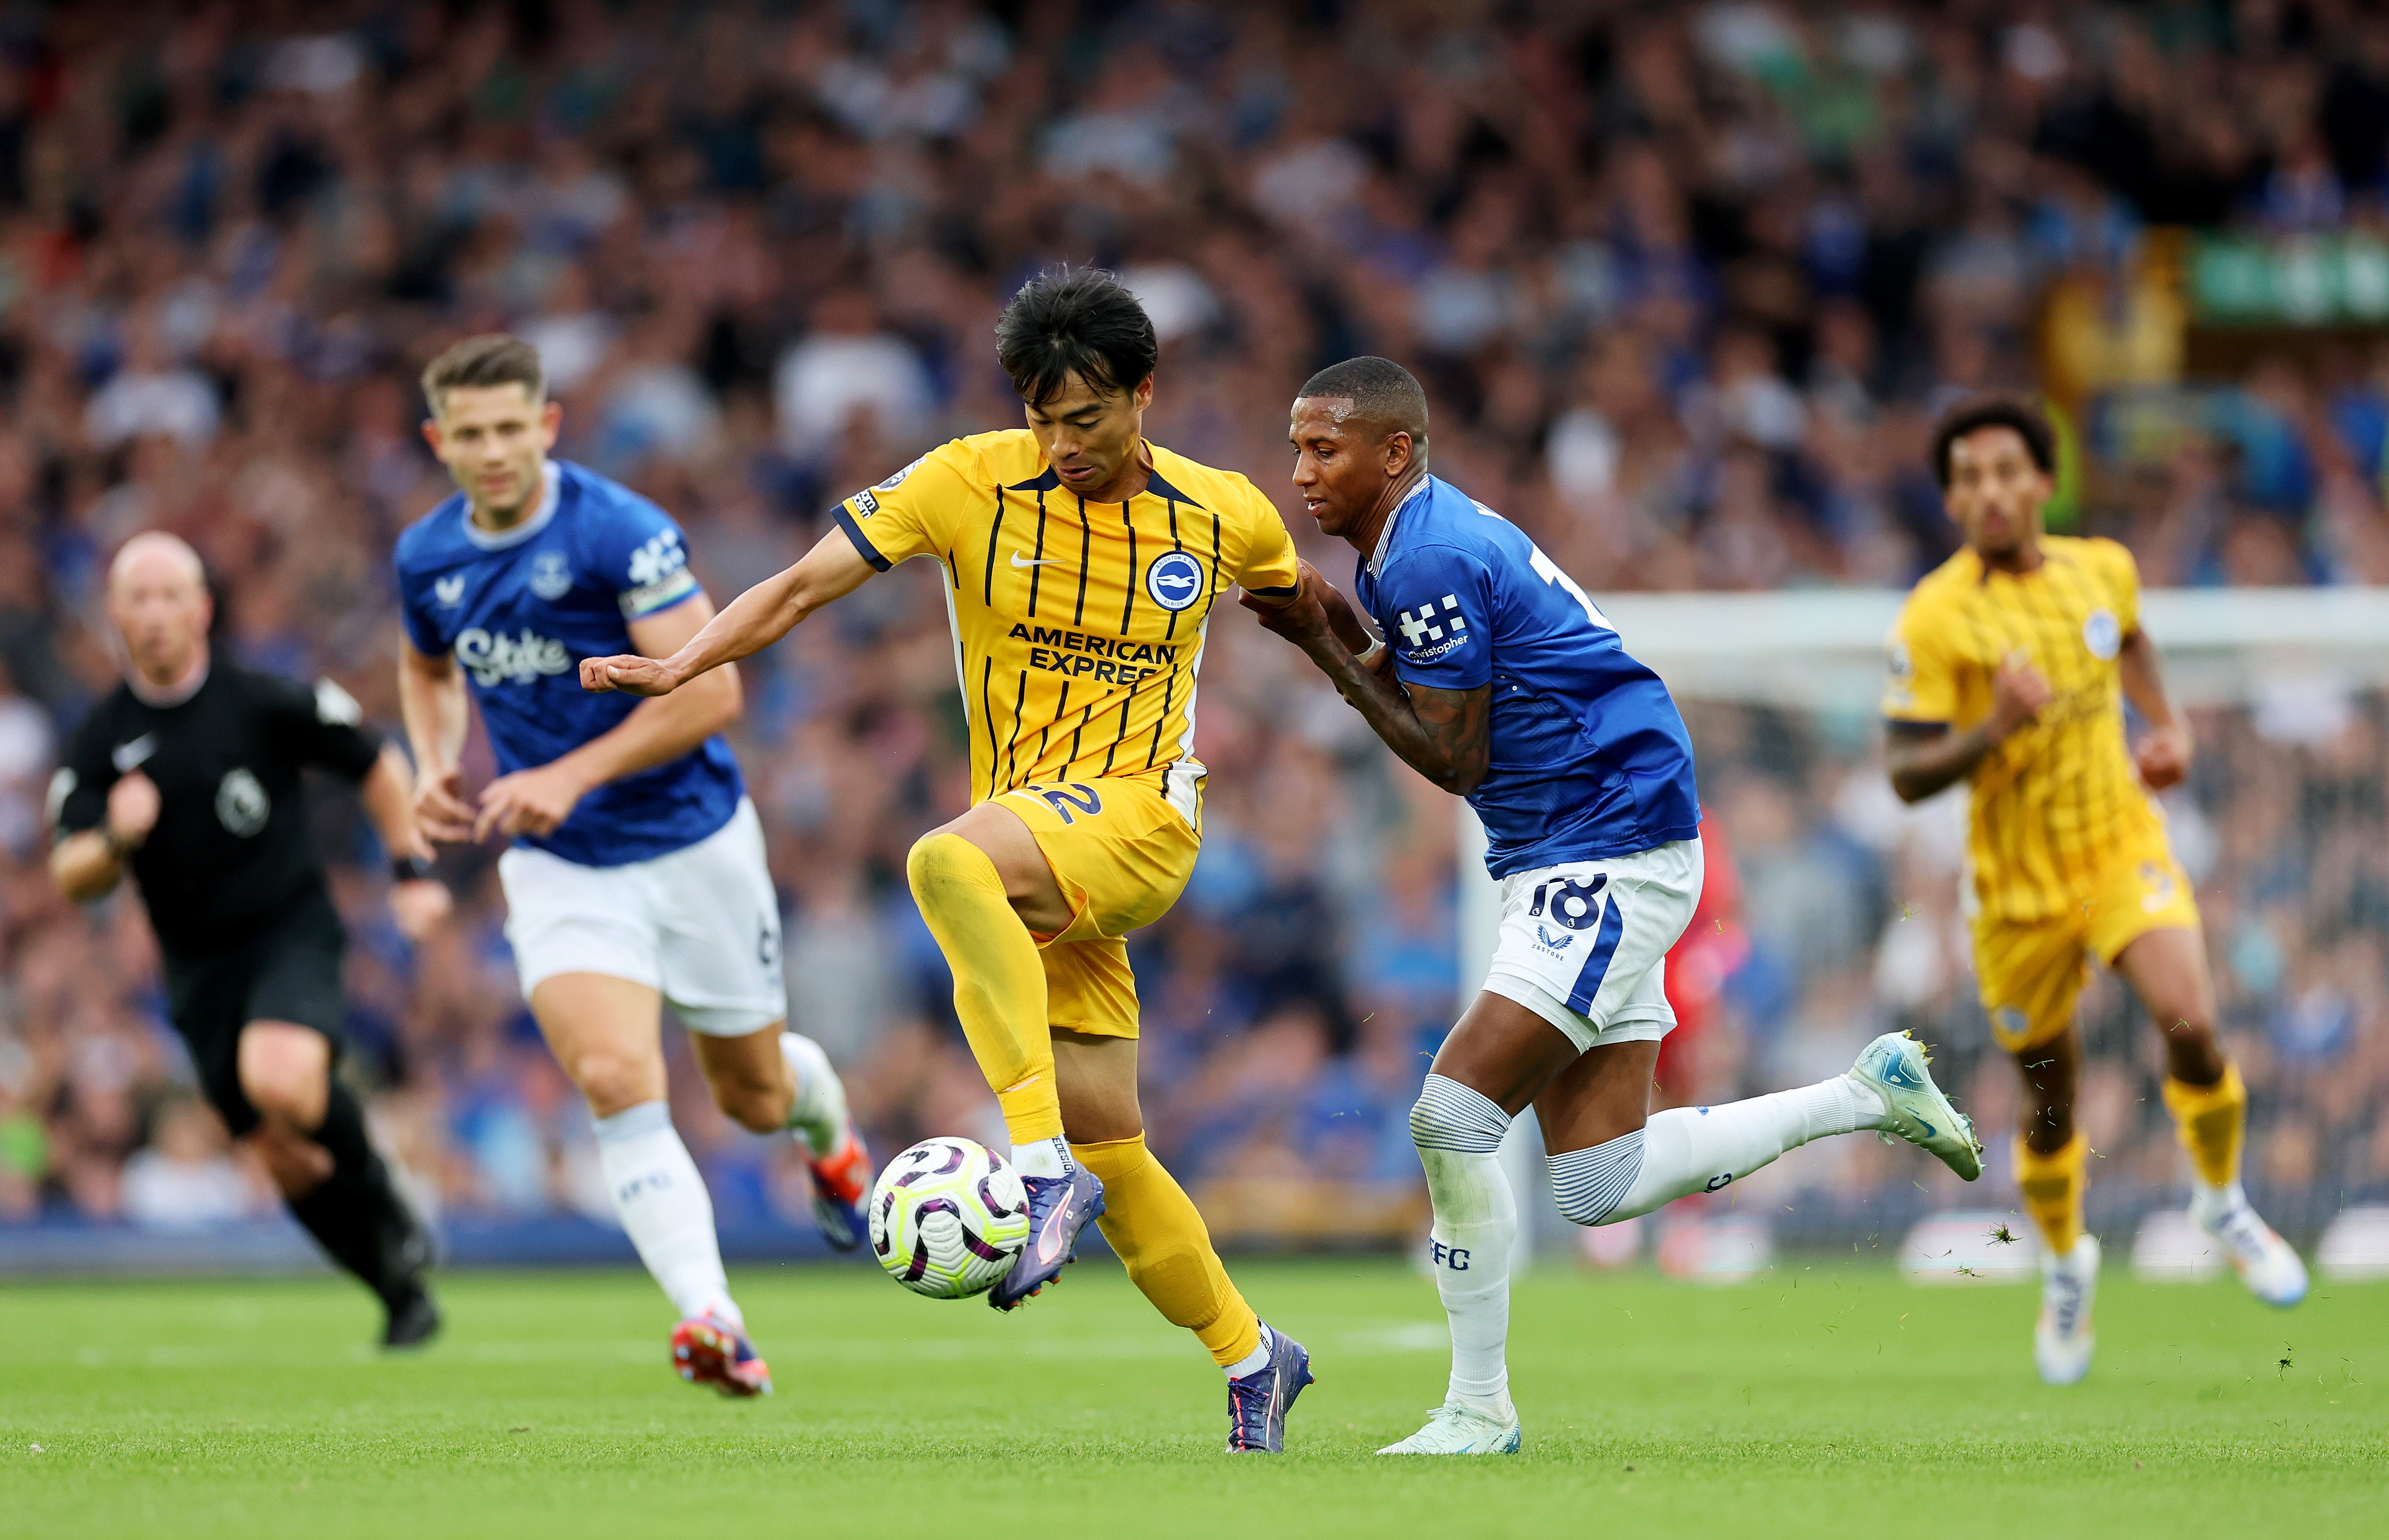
<point x="2192" y="1051"/>
<point x="1589" y="1184"/>
<point x="937" y="862"/>
<point x="286" y="1079"/>
<point x="2046" y="1070"/>
<point x="284" y="1096"/>
<point x="610" y="1080"/>
<point x="755" y="1106"/>
<point x="1451" y="1116"/>
<point x="2188" y="1025"/>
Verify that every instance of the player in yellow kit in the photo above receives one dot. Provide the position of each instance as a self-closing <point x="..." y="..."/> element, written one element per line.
<point x="1081" y="566"/>
<point x="2009" y="667"/>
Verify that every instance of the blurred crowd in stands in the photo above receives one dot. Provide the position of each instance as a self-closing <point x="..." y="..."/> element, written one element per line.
<point x="1687" y="284"/>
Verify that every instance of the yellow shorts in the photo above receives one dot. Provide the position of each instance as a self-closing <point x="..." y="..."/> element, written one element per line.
<point x="1122" y="855"/>
<point x="2032" y="971"/>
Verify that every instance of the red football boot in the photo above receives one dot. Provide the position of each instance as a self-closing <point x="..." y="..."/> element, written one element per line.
<point x="840" y="1184"/>
<point x="707" y="1350"/>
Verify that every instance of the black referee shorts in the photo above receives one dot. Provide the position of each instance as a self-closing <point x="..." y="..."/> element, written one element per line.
<point x="290" y="972"/>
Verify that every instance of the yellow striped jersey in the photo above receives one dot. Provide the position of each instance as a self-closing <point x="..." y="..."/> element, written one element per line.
<point x="1078" y="627"/>
<point x="2052" y="805"/>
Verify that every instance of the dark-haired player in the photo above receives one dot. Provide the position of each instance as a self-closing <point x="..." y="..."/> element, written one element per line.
<point x="636" y="874"/>
<point x="1499" y="681"/>
<point x="2008" y="663"/>
<point x="187" y="776"/>
<point x="1082" y="565"/>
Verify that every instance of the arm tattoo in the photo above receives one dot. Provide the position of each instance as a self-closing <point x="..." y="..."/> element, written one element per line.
<point x="1452" y="723"/>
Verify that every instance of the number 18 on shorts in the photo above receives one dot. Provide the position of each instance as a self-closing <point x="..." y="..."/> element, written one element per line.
<point x="1584" y="944"/>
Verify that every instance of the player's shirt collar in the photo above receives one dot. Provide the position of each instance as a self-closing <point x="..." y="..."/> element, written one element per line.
<point x="1385" y="536"/>
<point x="499" y="540"/>
<point x="1155" y="484"/>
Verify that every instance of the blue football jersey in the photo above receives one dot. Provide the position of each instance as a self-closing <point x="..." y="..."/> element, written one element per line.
<point x="1590" y="759"/>
<point x="518" y="610"/>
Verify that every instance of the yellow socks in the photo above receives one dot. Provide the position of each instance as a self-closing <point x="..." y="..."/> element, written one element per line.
<point x="1161" y="1238"/>
<point x="1000" y="994"/>
<point x="2211" y="1121"/>
<point x="999" y="980"/>
<point x="2052" y="1185"/>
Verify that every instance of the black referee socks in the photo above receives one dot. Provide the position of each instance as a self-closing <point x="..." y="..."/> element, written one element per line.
<point x="356" y="1214"/>
<point x="343" y="1132"/>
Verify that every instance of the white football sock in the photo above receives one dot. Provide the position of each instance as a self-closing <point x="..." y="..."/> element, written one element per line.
<point x="1042" y="1158"/>
<point x="1257" y="1360"/>
<point x="2209" y="1204"/>
<point x="1459" y="1134"/>
<point x="665" y="1209"/>
<point x="1688" y="1150"/>
<point x="818" y="1111"/>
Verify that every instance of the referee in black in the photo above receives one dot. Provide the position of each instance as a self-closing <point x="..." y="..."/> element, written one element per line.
<point x="187" y="776"/>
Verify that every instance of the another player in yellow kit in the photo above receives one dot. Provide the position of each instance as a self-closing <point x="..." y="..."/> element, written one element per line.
<point x="2009" y="666"/>
<point x="1081" y="566"/>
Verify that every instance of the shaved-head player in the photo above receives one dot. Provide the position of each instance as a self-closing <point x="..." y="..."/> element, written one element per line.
<point x="1501" y="681"/>
<point x="187" y="776"/>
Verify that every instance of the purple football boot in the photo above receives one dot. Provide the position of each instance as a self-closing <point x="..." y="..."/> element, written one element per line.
<point x="1059" y="1207"/>
<point x="1258" y="1403"/>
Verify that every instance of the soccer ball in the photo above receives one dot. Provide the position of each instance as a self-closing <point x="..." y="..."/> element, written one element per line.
<point x="948" y="1216"/>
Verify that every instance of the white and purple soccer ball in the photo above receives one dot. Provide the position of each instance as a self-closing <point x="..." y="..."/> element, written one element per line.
<point x="948" y="1216"/>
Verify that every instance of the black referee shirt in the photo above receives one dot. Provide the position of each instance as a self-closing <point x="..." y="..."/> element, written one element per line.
<point x="231" y="851"/>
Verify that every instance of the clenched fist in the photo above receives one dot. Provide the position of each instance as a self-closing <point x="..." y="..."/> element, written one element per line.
<point x="133" y="808"/>
<point x="2164" y="756"/>
<point x="2019" y="693"/>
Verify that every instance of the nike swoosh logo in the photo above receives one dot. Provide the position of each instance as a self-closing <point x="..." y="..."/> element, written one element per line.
<point x="1930" y="1131"/>
<point x="1049" y="1235"/>
<point x="1049" y="561"/>
<point x="130" y="757"/>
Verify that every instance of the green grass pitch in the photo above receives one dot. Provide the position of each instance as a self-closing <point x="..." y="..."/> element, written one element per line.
<point x="1828" y="1399"/>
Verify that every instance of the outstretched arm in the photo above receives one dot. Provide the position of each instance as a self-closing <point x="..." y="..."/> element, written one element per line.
<point x="1443" y="735"/>
<point x="752" y="622"/>
<point x="537" y="800"/>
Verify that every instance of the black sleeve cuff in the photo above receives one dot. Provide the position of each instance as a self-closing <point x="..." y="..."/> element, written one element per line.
<point x="373" y="740"/>
<point x="1286" y="593"/>
<point x="846" y="521"/>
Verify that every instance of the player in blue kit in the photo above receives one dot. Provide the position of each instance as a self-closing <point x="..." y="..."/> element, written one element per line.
<point x="1498" y="679"/>
<point x="636" y="874"/>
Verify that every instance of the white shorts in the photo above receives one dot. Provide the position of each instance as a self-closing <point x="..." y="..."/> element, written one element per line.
<point x="1584" y="945"/>
<point x="700" y="925"/>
